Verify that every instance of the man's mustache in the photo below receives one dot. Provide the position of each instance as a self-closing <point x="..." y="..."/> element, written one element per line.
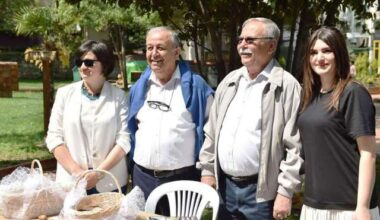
<point x="245" y="51"/>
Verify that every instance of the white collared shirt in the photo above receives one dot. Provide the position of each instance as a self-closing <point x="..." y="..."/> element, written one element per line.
<point x="88" y="116"/>
<point x="240" y="136"/>
<point x="165" y="140"/>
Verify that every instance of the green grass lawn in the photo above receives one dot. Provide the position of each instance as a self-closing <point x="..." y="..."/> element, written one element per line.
<point x="21" y="124"/>
<point x="21" y="128"/>
<point x="37" y="84"/>
<point x="30" y="84"/>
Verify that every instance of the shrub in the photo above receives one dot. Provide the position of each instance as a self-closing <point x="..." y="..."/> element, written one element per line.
<point x="366" y="71"/>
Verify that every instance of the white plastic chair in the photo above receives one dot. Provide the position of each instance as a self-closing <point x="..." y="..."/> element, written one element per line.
<point x="186" y="198"/>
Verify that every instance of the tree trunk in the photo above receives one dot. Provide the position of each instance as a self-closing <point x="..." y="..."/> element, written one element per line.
<point x="307" y="20"/>
<point x="280" y="24"/>
<point x="123" y="68"/>
<point x="290" y="48"/>
<point x="332" y="7"/>
<point x="117" y="42"/>
<point x="215" y="42"/>
<point x="234" y="56"/>
<point x="197" y="59"/>
<point x="122" y="62"/>
<point x="203" y="51"/>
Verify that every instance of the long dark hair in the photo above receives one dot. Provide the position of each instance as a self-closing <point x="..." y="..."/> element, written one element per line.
<point x="311" y="81"/>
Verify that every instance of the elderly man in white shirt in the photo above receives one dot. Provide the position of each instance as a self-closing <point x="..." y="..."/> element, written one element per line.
<point x="252" y="147"/>
<point x="169" y="107"/>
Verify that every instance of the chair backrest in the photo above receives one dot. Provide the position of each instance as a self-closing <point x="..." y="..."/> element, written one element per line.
<point x="186" y="198"/>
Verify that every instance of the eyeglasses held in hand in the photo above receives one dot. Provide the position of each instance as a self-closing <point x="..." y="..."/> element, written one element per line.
<point x="87" y="63"/>
<point x="251" y="40"/>
<point x="159" y="105"/>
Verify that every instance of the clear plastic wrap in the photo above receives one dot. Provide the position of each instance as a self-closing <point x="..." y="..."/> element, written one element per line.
<point x="26" y="194"/>
<point x="132" y="204"/>
<point x="72" y="199"/>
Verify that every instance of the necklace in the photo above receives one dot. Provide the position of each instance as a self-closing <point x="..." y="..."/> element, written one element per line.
<point x="326" y="91"/>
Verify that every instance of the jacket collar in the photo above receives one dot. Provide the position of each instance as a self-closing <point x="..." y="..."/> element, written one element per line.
<point x="275" y="76"/>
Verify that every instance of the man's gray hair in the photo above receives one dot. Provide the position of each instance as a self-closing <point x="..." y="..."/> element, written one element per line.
<point x="173" y="35"/>
<point x="271" y="27"/>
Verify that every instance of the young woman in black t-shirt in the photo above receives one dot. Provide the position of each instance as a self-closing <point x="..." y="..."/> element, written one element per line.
<point x="337" y="125"/>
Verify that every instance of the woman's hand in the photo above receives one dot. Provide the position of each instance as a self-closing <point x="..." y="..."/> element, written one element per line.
<point x="92" y="179"/>
<point x="362" y="213"/>
<point x="367" y="173"/>
<point x="77" y="172"/>
<point x="63" y="156"/>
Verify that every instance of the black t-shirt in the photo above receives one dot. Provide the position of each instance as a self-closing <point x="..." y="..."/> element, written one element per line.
<point x="330" y="149"/>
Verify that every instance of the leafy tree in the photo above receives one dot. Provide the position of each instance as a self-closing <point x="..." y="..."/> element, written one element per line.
<point x="56" y="26"/>
<point x="8" y="8"/>
<point x="121" y="24"/>
<point x="215" y="20"/>
<point x="324" y="12"/>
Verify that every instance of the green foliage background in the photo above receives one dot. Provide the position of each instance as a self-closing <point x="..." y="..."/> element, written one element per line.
<point x="366" y="71"/>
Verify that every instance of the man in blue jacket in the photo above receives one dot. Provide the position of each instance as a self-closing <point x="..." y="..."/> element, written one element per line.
<point x="168" y="108"/>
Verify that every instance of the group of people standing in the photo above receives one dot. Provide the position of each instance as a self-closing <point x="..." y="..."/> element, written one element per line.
<point x="252" y="140"/>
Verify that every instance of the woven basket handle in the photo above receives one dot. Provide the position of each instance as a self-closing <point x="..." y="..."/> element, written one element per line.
<point x="85" y="173"/>
<point x="32" y="166"/>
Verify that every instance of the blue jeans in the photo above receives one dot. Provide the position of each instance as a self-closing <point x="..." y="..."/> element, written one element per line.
<point x="239" y="202"/>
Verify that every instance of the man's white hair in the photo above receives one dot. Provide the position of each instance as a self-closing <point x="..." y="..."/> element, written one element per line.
<point x="270" y="27"/>
<point x="173" y="35"/>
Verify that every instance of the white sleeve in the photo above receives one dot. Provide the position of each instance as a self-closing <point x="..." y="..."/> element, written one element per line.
<point x="123" y="134"/>
<point x="55" y="131"/>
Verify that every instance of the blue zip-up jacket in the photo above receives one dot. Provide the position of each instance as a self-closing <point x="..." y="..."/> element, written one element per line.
<point x="195" y="92"/>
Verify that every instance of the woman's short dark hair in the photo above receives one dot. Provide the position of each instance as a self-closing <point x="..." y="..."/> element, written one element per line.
<point x="102" y="52"/>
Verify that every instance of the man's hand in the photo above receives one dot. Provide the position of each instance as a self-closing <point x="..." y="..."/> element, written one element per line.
<point x="209" y="180"/>
<point x="282" y="207"/>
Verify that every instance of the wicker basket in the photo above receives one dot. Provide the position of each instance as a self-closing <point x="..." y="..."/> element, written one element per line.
<point x="42" y="201"/>
<point x="97" y="206"/>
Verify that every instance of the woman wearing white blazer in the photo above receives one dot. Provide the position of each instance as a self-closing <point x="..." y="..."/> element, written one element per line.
<point x="88" y="127"/>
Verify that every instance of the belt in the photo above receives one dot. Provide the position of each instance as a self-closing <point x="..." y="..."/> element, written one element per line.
<point x="243" y="179"/>
<point x="165" y="173"/>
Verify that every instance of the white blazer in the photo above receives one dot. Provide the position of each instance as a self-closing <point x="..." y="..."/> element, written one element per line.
<point x="65" y="127"/>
